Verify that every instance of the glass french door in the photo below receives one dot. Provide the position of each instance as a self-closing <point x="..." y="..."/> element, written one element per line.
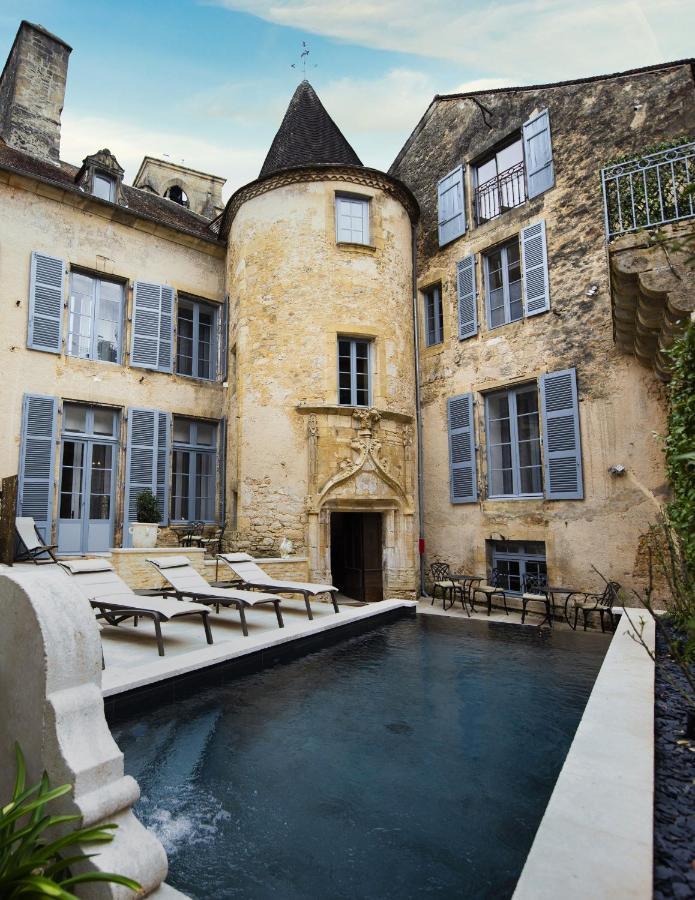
<point x="86" y="503"/>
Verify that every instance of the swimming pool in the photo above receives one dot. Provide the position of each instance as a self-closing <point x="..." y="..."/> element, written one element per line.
<point x="413" y="760"/>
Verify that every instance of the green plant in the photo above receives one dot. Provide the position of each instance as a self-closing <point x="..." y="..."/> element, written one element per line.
<point x="680" y="445"/>
<point x="34" y="862"/>
<point x="147" y="507"/>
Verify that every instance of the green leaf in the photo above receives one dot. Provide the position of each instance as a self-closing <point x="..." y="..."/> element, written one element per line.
<point x="103" y="876"/>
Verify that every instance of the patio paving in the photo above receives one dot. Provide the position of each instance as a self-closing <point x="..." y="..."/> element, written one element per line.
<point x="130" y="654"/>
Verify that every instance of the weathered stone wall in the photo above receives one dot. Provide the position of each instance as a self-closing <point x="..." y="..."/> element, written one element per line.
<point x="621" y="404"/>
<point x="32" y="90"/>
<point x="204" y="191"/>
<point x="293" y="291"/>
<point x="36" y="217"/>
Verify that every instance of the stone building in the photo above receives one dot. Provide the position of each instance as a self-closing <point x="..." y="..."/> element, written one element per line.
<point x="539" y="431"/>
<point x="255" y="363"/>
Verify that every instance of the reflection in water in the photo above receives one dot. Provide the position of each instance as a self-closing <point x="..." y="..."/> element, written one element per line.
<point x="413" y="760"/>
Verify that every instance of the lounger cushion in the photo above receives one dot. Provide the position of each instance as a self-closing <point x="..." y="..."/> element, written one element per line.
<point x="87" y="565"/>
<point x="169" y="562"/>
<point x="237" y="557"/>
<point x="168" y="607"/>
<point x="248" y="598"/>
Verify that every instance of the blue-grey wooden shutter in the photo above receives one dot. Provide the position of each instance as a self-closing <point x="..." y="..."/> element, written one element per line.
<point x="467" y="297"/>
<point x="222" y="468"/>
<point x="46" y="303"/>
<point x="147" y="462"/>
<point x="561" y="440"/>
<point x="36" y="461"/>
<point x="538" y="155"/>
<point x="223" y="341"/>
<point x="463" y="482"/>
<point x="152" y="343"/>
<point x="451" y="210"/>
<point x="534" y="263"/>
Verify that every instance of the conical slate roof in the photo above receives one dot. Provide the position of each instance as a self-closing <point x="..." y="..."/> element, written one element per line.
<point x="308" y="136"/>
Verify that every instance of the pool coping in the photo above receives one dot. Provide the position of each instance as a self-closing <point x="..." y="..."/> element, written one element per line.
<point x="167" y="677"/>
<point x="596" y="836"/>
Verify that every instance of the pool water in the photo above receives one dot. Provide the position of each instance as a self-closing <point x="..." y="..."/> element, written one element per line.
<point x="414" y="760"/>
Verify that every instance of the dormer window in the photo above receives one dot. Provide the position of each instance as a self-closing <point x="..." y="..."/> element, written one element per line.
<point x="101" y="176"/>
<point x="104" y="187"/>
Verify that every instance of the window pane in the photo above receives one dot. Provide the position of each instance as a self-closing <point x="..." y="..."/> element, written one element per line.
<point x="509" y="156"/>
<point x="487" y="171"/>
<point x="74" y="418"/>
<point x="109" y="321"/>
<point x="103" y="187"/>
<point x="80" y="315"/>
<point x="205" y="329"/>
<point x="184" y="346"/>
<point x="104" y="421"/>
<point x="71" y="480"/>
<point x="206" y="434"/>
<point x="180" y="484"/>
<point x="182" y="430"/>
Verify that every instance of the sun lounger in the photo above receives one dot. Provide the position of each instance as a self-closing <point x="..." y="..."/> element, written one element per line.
<point x="116" y="601"/>
<point x="188" y="582"/>
<point x="29" y="538"/>
<point x="252" y="575"/>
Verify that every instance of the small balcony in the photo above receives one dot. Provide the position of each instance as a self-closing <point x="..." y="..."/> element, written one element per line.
<point x="649" y="190"/>
<point x="501" y="193"/>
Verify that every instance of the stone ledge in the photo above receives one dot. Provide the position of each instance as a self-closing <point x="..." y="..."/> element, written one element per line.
<point x="596" y="836"/>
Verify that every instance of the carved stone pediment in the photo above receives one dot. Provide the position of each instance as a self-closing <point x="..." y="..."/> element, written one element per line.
<point x="360" y="456"/>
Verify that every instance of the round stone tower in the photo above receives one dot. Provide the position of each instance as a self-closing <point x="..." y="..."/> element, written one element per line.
<point x="322" y="381"/>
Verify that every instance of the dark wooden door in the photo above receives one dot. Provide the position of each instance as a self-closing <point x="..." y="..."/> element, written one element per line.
<point x="356" y="555"/>
<point x="372" y="575"/>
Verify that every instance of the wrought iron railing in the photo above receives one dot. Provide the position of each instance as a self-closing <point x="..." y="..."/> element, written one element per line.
<point x="649" y="190"/>
<point x="498" y="194"/>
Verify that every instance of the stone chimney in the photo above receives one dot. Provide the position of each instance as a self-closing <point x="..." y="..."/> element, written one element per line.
<point x="32" y="90"/>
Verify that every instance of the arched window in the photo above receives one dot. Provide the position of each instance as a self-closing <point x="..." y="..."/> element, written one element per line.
<point x="178" y="195"/>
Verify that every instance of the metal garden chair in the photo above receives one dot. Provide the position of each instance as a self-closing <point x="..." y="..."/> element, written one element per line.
<point x="600" y="603"/>
<point x="493" y="588"/>
<point x="536" y="591"/>
<point x="440" y="574"/>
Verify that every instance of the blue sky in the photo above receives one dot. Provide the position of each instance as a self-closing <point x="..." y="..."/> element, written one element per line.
<point x="208" y="82"/>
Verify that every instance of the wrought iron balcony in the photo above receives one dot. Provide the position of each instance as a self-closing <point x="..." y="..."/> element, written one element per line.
<point x="505" y="191"/>
<point x="649" y="190"/>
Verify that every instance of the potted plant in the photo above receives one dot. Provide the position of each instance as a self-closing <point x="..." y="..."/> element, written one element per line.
<point x="143" y="533"/>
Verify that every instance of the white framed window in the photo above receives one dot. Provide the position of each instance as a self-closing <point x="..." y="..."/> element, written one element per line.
<point x="351" y="219"/>
<point x="434" y="315"/>
<point x="95" y="318"/>
<point x="503" y="283"/>
<point x="514" y="443"/>
<point x="354" y="376"/>
<point x="195" y="338"/>
<point x="193" y="470"/>
<point x="104" y="186"/>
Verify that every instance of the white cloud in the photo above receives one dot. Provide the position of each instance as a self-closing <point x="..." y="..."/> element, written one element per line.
<point x="129" y="142"/>
<point x="519" y="40"/>
<point x="390" y="103"/>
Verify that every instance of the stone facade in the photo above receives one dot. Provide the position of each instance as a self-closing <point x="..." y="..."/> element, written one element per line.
<point x="295" y="290"/>
<point x="621" y="404"/>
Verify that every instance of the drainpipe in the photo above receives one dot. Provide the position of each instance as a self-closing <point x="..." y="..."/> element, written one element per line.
<point x="418" y="421"/>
